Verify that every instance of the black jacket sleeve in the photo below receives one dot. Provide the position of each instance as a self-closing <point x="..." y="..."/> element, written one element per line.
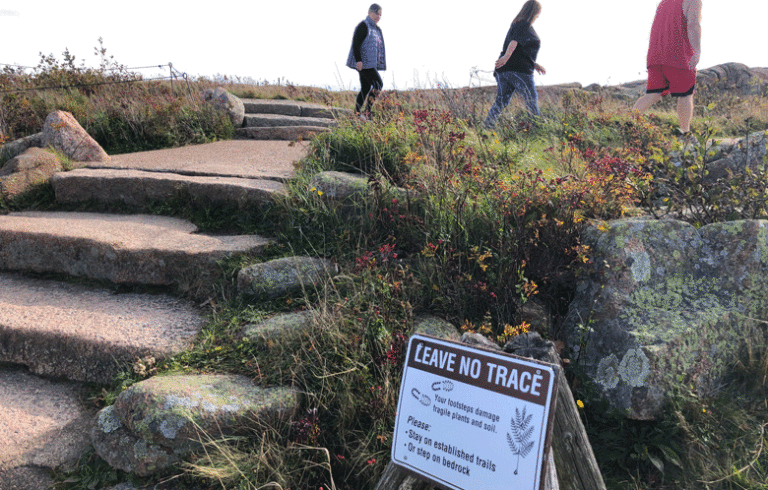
<point x="361" y="32"/>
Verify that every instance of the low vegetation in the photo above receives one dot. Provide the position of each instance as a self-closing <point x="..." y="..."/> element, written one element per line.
<point x="463" y="223"/>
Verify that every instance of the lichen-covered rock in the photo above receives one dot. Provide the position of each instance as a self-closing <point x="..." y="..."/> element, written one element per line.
<point x="173" y="410"/>
<point x="666" y="304"/>
<point x="732" y="78"/>
<point x="274" y="328"/>
<point x="225" y="101"/>
<point x="33" y="167"/>
<point x="123" y="450"/>
<point x="155" y="423"/>
<point x="62" y="132"/>
<point x="436" y="327"/>
<point x="535" y="314"/>
<point x="282" y="276"/>
<point x="19" y="146"/>
<point x="339" y="185"/>
<point x="749" y="152"/>
<point x="479" y="340"/>
<point x="529" y="345"/>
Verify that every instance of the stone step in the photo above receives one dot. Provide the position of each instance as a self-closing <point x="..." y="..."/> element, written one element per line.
<point x="44" y="424"/>
<point x="279" y="120"/>
<point x="293" y="108"/>
<point x="285" y="133"/>
<point x="122" y="249"/>
<point x="137" y="187"/>
<point x="270" y="160"/>
<point x="71" y="331"/>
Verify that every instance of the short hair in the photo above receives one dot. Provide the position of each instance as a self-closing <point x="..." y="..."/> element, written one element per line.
<point x="375" y="8"/>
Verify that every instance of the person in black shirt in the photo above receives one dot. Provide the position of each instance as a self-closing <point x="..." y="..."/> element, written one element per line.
<point x="515" y="66"/>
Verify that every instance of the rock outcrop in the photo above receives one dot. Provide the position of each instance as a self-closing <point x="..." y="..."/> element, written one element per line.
<point x="339" y="185"/>
<point x="736" y="157"/>
<point x="224" y="101"/>
<point x="282" y="276"/>
<point x="733" y="77"/>
<point x="666" y="305"/>
<point x="62" y="132"/>
<point x="33" y="167"/>
<point x="279" y="327"/>
<point x="19" y="146"/>
<point x="154" y="423"/>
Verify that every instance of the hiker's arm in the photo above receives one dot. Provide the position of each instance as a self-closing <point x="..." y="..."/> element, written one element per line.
<point x="505" y="57"/>
<point x="357" y="44"/>
<point x="693" y="16"/>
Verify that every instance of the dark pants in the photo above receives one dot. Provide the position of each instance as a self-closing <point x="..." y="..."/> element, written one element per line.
<point x="370" y="84"/>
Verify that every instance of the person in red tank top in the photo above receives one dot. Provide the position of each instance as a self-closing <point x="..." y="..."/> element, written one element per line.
<point x="673" y="53"/>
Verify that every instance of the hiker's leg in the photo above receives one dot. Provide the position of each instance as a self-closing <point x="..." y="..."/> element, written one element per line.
<point x="685" y="112"/>
<point x="524" y="84"/>
<point x="376" y="85"/>
<point x="646" y="101"/>
<point x="366" y="84"/>
<point x="682" y="86"/>
<point x="504" y="91"/>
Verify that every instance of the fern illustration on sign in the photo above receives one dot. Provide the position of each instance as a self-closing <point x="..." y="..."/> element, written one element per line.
<point x="519" y="441"/>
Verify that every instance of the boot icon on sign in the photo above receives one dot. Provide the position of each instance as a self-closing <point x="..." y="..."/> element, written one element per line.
<point x="442" y="385"/>
<point x="423" y="399"/>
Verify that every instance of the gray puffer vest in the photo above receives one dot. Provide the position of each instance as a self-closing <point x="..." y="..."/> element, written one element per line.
<point x="372" y="51"/>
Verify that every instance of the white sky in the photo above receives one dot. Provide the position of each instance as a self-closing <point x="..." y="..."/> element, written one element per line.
<point x="306" y="42"/>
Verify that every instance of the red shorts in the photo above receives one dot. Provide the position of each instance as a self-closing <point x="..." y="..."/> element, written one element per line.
<point x="668" y="80"/>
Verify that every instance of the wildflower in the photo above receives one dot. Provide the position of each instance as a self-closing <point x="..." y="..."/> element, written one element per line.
<point x="580" y="404"/>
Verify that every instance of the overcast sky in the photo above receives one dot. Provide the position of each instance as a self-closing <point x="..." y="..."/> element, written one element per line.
<point x="306" y="42"/>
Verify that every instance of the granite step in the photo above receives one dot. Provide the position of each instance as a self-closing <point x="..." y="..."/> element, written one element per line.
<point x="293" y="108"/>
<point x="285" y="133"/>
<point x="44" y="425"/>
<point x="279" y="120"/>
<point x="56" y="336"/>
<point x="122" y="249"/>
<point x="268" y="160"/>
<point x="80" y="333"/>
<point x="138" y="187"/>
<point x="287" y="120"/>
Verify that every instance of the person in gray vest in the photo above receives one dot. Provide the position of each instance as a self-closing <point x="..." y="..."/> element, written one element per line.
<point x="367" y="56"/>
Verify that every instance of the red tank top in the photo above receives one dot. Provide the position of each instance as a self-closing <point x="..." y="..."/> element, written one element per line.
<point x="669" y="44"/>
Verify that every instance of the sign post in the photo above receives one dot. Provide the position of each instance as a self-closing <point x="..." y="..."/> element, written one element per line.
<point x="469" y="418"/>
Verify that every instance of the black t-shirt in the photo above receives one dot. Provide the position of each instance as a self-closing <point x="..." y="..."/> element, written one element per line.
<point x="528" y="44"/>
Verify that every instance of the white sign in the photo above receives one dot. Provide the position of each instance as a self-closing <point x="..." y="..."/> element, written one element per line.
<point x="471" y="419"/>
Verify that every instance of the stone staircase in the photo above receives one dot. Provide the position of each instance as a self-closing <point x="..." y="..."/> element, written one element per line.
<point x="286" y="120"/>
<point x="63" y="322"/>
